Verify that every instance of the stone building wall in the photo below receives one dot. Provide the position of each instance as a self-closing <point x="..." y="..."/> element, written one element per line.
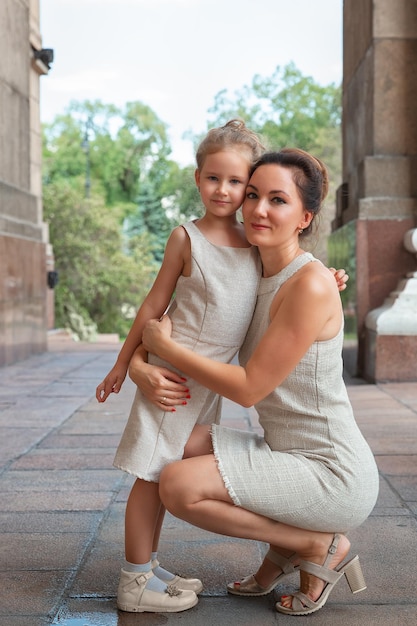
<point x="24" y="248"/>
<point x="377" y="203"/>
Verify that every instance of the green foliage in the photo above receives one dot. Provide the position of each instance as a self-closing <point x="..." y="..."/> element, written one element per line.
<point x="287" y="109"/>
<point x="99" y="286"/>
<point x="102" y="166"/>
<point x="117" y="148"/>
<point x="149" y="218"/>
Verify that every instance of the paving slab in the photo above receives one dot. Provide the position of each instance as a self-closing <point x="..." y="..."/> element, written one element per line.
<point x="62" y="507"/>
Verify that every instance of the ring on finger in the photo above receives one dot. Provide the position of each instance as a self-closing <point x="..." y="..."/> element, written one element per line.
<point x="164" y="399"/>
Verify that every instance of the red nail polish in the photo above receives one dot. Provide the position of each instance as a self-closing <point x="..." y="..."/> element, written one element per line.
<point x="183" y="403"/>
<point x="188" y="396"/>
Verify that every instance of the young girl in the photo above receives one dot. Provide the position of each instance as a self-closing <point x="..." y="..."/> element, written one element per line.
<point x="214" y="273"/>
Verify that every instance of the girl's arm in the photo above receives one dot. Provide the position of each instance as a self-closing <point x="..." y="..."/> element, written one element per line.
<point x="341" y="277"/>
<point x="306" y="309"/>
<point x="176" y="257"/>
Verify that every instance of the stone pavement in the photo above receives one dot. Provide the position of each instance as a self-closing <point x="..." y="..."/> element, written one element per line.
<point x="62" y="507"/>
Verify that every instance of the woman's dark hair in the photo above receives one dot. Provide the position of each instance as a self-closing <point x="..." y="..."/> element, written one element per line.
<point x="309" y="175"/>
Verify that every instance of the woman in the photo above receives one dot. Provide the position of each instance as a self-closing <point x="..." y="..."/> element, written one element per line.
<point x="312" y="471"/>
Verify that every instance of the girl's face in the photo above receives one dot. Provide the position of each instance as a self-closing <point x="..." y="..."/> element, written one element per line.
<point x="273" y="211"/>
<point x="222" y="181"/>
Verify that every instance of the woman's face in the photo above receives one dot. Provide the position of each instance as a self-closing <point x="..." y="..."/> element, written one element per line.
<point x="273" y="211"/>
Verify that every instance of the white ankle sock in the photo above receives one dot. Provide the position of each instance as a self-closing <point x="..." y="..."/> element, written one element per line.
<point x="160" y="572"/>
<point x="154" y="583"/>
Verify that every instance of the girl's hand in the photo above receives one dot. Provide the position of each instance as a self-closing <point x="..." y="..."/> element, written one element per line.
<point x="164" y="388"/>
<point x="155" y="332"/>
<point x="341" y="277"/>
<point x="112" y="383"/>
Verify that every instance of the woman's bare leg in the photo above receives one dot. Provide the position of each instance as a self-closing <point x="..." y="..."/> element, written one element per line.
<point x="268" y="570"/>
<point x="193" y="490"/>
<point x="200" y="444"/>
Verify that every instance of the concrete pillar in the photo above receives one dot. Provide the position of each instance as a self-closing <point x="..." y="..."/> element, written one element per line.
<point x="377" y="202"/>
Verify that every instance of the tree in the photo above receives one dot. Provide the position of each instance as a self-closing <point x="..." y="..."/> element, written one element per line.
<point x="149" y="219"/>
<point x="117" y="148"/>
<point x="288" y="109"/>
<point x="99" y="285"/>
<point x="99" y="164"/>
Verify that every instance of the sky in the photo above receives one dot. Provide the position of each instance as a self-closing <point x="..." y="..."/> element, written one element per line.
<point x="176" y="55"/>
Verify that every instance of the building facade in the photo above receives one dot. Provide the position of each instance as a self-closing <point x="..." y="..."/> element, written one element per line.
<point x="24" y="248"/>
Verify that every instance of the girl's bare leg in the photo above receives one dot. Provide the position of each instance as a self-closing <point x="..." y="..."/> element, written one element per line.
<point x="199" y="442"/>
<point x="158" y="528"/>
<point x="144" y="511"/>
<point x="142" y="516"/>
<point x="193" y="490"/>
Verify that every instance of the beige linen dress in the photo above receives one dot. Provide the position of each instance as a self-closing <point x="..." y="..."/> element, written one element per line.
<point x="313" y="468"/>
<point x="211" y="313"/>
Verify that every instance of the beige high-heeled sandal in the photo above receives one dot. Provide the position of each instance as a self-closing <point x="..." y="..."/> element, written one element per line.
<point x="249" y="587"/>
<point x="302" y="604"/>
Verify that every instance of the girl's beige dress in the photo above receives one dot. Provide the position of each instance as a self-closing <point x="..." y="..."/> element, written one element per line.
<point x="211" y="313"/>
<point x="313" y="468"/>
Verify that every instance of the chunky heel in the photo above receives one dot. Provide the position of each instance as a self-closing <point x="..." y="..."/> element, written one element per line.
<point x="354" y="575"/>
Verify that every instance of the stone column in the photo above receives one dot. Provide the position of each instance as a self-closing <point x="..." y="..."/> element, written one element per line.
<point x="378" y="199"/>
<point x="23" y="235"/>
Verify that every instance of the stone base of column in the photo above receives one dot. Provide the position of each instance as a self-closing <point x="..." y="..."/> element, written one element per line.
<point x="390" y="358"/>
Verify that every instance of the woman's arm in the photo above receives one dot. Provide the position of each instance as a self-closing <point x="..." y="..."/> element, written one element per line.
<point x="306" y="309"/>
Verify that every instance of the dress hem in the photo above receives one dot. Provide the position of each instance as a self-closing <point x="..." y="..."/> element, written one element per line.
<point x="220" y="467"/>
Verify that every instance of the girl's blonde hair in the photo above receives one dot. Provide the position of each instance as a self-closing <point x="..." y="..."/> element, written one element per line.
<point x="234" y="134"/>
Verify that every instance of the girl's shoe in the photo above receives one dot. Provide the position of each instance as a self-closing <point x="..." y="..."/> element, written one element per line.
<point x="185" y="584"/>
<point x="249" y="587"/>
<point x="303" y="605"/>
<point x="132" y="595"/>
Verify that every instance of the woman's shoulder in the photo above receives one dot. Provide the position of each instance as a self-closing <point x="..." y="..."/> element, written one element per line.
<point x="314" y="280"/>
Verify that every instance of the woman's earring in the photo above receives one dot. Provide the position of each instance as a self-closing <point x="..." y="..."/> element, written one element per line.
<point x="300" y="232"/>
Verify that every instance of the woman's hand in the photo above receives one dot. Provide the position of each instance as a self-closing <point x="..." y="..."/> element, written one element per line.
<point x="164" y="388"/>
